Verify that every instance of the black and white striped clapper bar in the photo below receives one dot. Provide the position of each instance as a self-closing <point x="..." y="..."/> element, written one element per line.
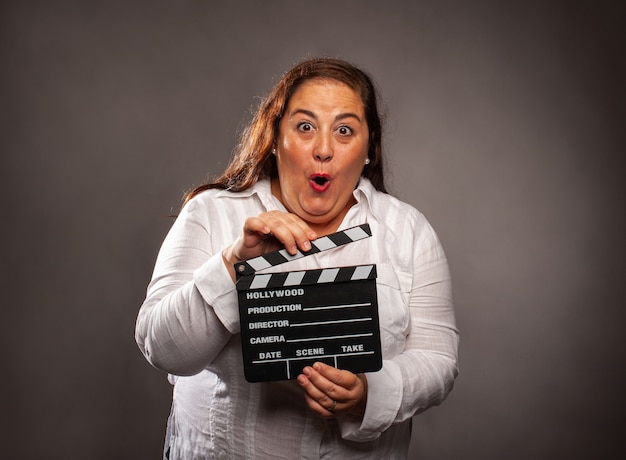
<point x="292" y="319"/>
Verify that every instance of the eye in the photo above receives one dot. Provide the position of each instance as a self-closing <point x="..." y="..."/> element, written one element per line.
<point x="344" y="130"/>
<point x="305" y="127"/>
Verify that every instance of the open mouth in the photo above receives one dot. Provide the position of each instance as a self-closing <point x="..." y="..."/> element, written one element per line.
<point x="320" y="182"/>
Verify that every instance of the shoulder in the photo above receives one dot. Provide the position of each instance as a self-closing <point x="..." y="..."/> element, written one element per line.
<point x="403" y="220"/>
<point x="217" y="198"/>
<point x="395" y="215"/>
<point x="403" y="231"/>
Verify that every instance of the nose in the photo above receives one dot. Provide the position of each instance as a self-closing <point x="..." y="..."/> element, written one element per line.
<point x="323" y="150"/>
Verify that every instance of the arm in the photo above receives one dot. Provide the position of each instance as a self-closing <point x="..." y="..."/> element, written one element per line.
<point x="190" y="310"/>
<point x="422" y="374"/>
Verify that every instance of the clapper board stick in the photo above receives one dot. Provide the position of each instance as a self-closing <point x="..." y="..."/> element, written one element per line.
<point x="271" y="259"/>
<point x="292" y="319"/>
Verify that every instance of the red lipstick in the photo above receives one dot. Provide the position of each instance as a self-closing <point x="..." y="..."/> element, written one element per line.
<point x="319" y="182"/>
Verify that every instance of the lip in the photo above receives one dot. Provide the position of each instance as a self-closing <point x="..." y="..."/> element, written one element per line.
<point x="319" y="182"/>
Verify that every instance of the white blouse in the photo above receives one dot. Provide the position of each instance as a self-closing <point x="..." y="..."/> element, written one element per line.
<point x="188" y="326"/>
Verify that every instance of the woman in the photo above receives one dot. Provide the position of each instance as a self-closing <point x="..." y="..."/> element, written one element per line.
<point x="309" y="164"/>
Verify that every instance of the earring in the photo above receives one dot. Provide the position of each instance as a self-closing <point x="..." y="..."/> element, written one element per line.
<point x="274" y="152"/>
<point x="367" y="161"/>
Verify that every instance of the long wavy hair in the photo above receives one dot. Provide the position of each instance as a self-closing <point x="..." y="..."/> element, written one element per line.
<point x="252" y="158"/>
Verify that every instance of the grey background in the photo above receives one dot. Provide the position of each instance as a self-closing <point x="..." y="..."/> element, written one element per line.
<point x="505" y="127"/>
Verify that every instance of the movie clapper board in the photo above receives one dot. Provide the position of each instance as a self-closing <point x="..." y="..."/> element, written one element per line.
<point x="292" y="319"/>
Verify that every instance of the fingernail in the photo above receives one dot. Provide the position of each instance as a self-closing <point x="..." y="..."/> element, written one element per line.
<point x="307" y="246"/>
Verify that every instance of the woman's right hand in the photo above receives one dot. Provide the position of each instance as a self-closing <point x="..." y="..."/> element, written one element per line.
<point x="267" y="232"/>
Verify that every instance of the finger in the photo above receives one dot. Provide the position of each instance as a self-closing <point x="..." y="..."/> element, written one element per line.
<point x="337" y="377"/>
<point x="253" y="240"/>
<point x="307" y="231"/>
<point x="340" y="385"/>
<point x="290" y="230"/>
<point x="256" y="225"/>
<point x="323" y="390"/>
<point x="293" y="231"/>
<point x="270" y="231"/>
<point x="317" y="400"/>
<point x="326" y="408"/>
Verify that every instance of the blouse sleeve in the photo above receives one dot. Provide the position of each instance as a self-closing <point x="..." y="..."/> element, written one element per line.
<point x="190" y="310"/>
<point x="423" y="374"/>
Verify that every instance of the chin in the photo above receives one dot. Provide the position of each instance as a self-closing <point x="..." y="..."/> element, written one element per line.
<point x="318" y="217"/>
<point x="315" y="217"/>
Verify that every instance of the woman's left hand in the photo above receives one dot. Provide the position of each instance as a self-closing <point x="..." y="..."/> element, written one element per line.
<point x="331" y="392"/>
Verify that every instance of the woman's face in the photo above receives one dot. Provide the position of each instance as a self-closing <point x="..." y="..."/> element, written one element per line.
<point x="320" y="152"/>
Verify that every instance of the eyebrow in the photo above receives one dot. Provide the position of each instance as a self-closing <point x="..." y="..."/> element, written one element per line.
<point x="341" y="116"/>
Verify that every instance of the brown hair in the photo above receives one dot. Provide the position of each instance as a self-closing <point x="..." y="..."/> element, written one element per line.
<point x="252" y="159"/>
